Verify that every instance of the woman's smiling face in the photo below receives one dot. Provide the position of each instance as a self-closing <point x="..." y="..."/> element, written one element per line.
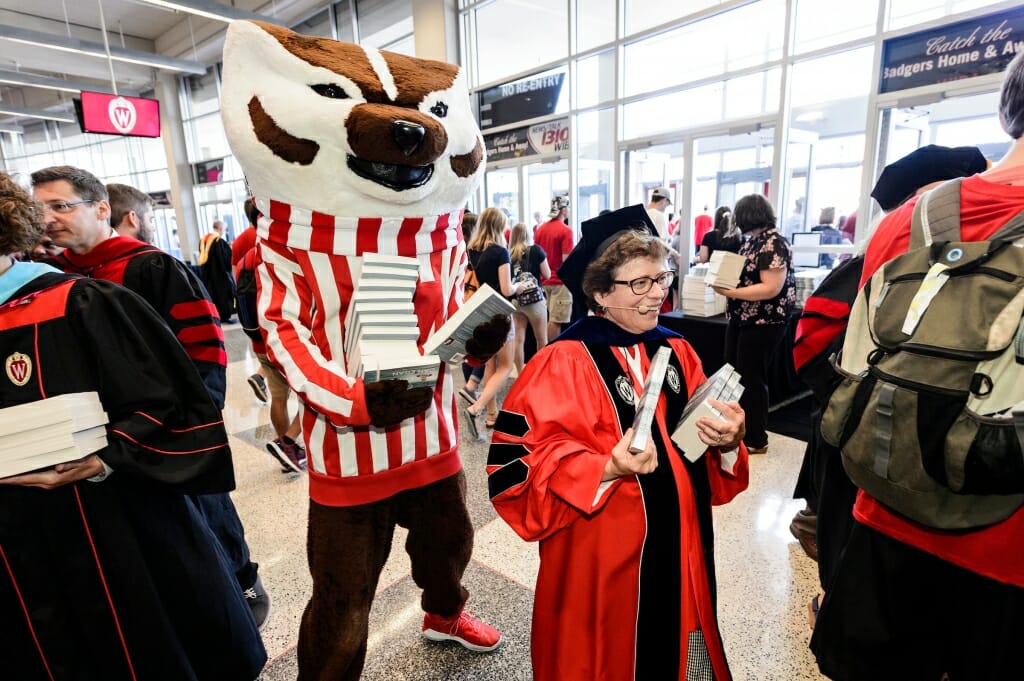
<point x="622" y="295"/>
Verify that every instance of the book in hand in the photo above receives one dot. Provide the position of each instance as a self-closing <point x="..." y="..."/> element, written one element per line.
<point x="648" y="401"/>
<point x="449" y="341"/>
<point x="724" y="386"/>
<point x="420" y="371"/>
<point x="724" y="269"/>
<point x="42" y="434"/>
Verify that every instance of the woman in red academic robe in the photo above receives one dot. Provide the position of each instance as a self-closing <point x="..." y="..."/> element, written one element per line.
<point x="626" y="588"/>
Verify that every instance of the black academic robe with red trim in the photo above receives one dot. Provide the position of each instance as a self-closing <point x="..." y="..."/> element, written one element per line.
<point x="173" y="290"/>
<point x="217" y="275"/>
<point x="626" y="583"/>
<point x="119" y="579"/>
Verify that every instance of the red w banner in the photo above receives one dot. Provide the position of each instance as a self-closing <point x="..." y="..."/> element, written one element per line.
<point x="117" y="115"/>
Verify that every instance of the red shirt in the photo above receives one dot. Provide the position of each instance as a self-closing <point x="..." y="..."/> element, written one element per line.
<point x="993" y="551"/>
<point x="555" y="237"/>
<point x="242" y="244"/>
<point x="702" y="224"/>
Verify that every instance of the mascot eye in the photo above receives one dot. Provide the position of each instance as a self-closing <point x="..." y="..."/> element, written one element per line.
<point x="330" y="91"/>
<point x="440" y="109"/>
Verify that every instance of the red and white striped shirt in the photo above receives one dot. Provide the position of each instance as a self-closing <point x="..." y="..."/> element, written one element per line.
<point x="310" y="262"/>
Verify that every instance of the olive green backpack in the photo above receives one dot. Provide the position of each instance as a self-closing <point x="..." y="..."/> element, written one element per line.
<point x="929" y="414"/>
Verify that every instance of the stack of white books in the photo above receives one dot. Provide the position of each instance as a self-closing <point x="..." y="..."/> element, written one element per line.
<point x="381" y="327"/>
<point x="42" y="434"/>
<point x="724" y="269"/>
<point x="724" y="386"/>
<point x="699" y="299"/>
<point x="449" y="342"/>
<point x="807" y="281"/>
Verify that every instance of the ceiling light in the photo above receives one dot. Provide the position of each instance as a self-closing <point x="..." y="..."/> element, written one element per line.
<point x="208" y="10"/>
<point x="43" y="114"/>
<point x="77" y="46"/>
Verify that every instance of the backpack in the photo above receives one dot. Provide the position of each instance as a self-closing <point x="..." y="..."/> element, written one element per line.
<point x="532" y="292"/>
<point x="245" y="297"/>
<point x="821" y="327"/>
<point x="929" y="412"/>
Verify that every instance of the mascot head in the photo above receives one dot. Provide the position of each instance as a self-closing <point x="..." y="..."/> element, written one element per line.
<point x="347" y="130"/>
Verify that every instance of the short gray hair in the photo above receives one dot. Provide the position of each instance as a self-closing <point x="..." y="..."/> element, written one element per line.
<point x="1011" y="98"/>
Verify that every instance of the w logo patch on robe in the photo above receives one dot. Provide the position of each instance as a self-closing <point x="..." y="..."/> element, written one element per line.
<point x="19" y="369"/>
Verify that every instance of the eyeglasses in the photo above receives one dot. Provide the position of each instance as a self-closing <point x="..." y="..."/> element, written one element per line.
<point x="65" y="206"/>
<point x="642" y="285"/>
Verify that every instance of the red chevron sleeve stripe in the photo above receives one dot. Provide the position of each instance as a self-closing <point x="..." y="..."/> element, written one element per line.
<point x="191" y="309"/>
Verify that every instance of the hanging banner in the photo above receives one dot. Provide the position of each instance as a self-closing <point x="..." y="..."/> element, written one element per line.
<point x="520" y="100"/>
<point x="114" y="115"/>
<point x="966" y="49"/>
<point x="542" y="139"/>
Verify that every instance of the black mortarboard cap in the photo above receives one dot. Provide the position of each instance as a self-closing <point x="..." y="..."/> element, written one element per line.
<point x="596" y="235"/>
<point x="901" y="179"/>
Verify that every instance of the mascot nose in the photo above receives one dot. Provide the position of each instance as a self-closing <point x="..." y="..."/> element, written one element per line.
<point x="407" y="136"/>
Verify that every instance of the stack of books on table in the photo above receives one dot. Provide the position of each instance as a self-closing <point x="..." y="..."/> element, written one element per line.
<point x="449" y="342"/>
<point x="724" y="386"/>
<point x="42" y="434"/>
<point x="381" y="327"/>
<point x="699" y="299"/>
<point x="807" y="281"/>
<point x="724" y="269"/>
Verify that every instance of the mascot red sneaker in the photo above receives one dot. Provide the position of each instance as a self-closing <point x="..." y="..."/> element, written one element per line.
<point x="349" y="151"/>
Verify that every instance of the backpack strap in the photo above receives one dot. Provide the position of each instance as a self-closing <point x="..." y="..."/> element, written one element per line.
<point x="1011" y="231"/>
<point x="937" y="215"/>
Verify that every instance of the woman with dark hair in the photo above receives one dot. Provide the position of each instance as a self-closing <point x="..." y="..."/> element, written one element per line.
<point x="724" y="237"/>
<point x="757" y="309"/>
<point x="626" y="585"/>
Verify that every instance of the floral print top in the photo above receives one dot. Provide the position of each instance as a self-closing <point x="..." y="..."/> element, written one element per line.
<point x="766" y="251"/>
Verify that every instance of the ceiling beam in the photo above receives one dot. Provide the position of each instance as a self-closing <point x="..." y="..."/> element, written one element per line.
<point x="93" y="49"/>
<point x="22" y="79"/>
<point x="209" y="10"/>
<point x="22" y="112"/>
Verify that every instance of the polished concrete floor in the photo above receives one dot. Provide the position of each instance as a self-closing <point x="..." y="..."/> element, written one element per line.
<point x="764" y="579"/>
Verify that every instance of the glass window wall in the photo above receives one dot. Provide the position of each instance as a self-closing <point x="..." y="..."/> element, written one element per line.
<point x="904" y="13"/>
<point x="644" y="14"/>
<point x="745" y="37"/>
<point x="595" y="23"/>
<point x="595" y="135"/>
<point x="595" y="79"/>
<point x="502" y="31"/>
<point x="821" y="23"/>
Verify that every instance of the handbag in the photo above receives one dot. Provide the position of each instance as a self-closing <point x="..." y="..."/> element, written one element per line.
<point x="530" y="293"/>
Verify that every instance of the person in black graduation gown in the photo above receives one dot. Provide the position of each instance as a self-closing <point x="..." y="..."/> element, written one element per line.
<point x="215" y="269"/>
<point x="107" y="572"/>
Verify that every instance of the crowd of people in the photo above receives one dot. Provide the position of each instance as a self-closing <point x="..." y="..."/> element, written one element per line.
<point x="146" y="538"/>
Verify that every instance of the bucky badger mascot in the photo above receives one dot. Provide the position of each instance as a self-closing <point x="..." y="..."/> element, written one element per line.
<point x="347" y="151"/>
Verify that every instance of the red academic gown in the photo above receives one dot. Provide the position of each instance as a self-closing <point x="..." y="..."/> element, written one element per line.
<point x="626" y="581"/>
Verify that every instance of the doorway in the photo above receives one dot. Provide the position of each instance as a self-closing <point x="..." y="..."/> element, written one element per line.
<point x="524" y="191"/>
